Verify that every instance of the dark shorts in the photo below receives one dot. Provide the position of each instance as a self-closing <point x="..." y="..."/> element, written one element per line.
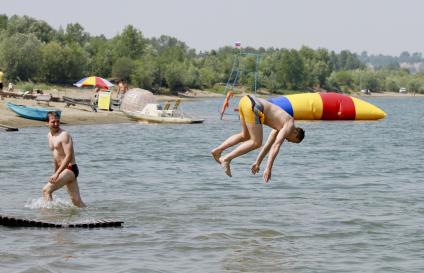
<point x="1" y="85"/>
<point x="74" y="169"/>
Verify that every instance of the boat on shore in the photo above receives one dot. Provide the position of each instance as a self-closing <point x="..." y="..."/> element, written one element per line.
<point x="155" y="113"/>
<point x="29" y="112"/>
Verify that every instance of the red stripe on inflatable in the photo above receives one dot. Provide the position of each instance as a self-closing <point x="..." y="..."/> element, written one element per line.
<point x="337" y="106"/>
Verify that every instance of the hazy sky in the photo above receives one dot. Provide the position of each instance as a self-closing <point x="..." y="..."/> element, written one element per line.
<point x="377" y="26"/>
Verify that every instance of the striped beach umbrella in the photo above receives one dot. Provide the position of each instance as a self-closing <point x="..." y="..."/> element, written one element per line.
<point x="95" y="82"/>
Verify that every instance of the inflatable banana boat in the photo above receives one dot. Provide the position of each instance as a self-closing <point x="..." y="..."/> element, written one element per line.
<point x="327" y="106"/>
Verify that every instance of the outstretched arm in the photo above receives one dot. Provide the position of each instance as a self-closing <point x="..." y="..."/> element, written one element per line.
<point x="264" y="151"/>
<point x="275" y="148"/>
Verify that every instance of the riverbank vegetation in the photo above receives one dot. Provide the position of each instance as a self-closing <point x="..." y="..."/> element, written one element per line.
<point x="33" y="51"/>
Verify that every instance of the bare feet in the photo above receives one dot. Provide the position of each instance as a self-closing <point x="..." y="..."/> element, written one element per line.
<point x="216" y="155"/>
<point x="226" y="166"/>
<point x="79" y="204"/>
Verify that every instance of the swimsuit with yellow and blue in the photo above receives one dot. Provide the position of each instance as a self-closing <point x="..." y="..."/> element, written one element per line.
<point x="251" y="110"/>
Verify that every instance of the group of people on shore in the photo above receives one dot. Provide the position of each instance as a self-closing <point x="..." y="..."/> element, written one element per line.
<point x="254" y="113"/>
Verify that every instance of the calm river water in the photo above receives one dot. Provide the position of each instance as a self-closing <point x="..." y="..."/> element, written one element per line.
<point x="350" y="198"/>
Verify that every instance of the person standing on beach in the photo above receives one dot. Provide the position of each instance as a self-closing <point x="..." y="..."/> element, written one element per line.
<point x="1" y="79"/>
<point x="65" y="167"/>
<point x="254" y="112"/>
<point x="122" y="89"/>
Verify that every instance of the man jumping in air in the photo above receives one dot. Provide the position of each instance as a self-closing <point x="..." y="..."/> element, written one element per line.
<point x="254" y="112"/>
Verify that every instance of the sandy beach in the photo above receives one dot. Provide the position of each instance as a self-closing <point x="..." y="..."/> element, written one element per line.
<point x="79" y="114"/>
<point x="70" y="115"/>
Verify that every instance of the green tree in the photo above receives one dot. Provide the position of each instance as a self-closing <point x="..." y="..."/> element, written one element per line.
<point x="75" y="33"/>
<point x="21" y="56"/>
<point x="317" y="66"/>
<point x="268" y="76"/>
<point x="175" y="76"/>
<point x="290" y="69"/>
<point x="164" y="41"/>
<point x="3" y="22"/>
<point x="43" y="31"/>
<point x="342" y="80"/>
<point x="193" y="76"/>
<point x="123" y="68"/>
<point x="168" y="67"/>
<point x="143" y="74"/>
<point x="62" y="64"/>
<point x="27" y="25"/>
<point x="414" y="86"/>
<point x="75" y="63"/>
<point x="101" y="56"/>
<point x="52" y="69"/>
<point x="129" y="43"/>
<point x="348" y="61"/>
<point x="371" y="81"/>
<point x="207" y="76"/>
<point x="391" y="85"/>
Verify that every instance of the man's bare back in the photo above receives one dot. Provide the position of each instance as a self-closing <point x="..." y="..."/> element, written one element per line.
<point x="275" y="117"/>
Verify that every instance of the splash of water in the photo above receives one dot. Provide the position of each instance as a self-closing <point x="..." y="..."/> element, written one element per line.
<point x="39" y="203"/>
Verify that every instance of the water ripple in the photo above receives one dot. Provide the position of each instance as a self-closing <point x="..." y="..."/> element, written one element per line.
<point x="348" y="199"/>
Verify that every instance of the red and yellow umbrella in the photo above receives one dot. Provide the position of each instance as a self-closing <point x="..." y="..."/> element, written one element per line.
<point x="94" y="81"/>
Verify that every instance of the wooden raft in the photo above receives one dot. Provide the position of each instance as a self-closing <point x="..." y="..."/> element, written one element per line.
<point x="10" y="221"/>
<point x="8" y="128"/>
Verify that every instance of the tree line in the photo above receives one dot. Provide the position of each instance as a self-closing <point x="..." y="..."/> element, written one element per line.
<point x="32" y="50"/>
<point x="390" y="62"/>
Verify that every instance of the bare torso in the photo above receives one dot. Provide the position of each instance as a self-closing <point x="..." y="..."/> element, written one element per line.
<point x="275" y="117"/>
<point x="56" y="146"/>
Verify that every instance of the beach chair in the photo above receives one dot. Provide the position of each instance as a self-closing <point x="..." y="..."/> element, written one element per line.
<point x="175" y="108"/>
<point x="167" y="105"/>
<point x="177" y="103"/>
<point x="43" y="99"/>
<point x="71" y="101"/>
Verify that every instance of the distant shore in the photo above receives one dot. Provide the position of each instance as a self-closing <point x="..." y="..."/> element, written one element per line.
<point x="80" y="114"/>
<point x="390" y="94"/>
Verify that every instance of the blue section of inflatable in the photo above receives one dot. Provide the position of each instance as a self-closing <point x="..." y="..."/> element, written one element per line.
<point x="283" y="103"/>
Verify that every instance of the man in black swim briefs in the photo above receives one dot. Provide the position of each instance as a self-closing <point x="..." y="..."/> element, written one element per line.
<point x="73" y="168"/>
<point x="66" y="169"/>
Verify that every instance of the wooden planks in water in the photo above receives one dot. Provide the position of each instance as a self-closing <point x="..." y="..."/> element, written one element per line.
<point x="8" y="128"/>
<point x="11" y="221"/>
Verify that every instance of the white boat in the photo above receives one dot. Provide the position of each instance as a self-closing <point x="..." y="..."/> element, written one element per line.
<point x="155" y="113"/>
